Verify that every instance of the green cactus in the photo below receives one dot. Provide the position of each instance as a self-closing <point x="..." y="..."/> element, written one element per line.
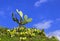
<point x="14" y="18"/>
<point x="25" y="17"/>
<point x="29" y="20"/>
<point x="26" y="20"/>
<point x="22" y="20"/>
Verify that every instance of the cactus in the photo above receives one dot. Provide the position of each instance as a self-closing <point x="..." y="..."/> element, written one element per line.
<point x="22" y="20"/>
<point x="26" y="20"/>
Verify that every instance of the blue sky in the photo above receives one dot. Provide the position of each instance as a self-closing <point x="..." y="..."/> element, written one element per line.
<point x="45" y="13"/>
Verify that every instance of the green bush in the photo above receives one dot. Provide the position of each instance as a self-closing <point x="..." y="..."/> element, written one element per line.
<point x="24" y="34"/>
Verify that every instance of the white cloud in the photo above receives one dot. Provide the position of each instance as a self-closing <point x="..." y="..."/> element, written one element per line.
<point x="43" y="25"/>
<point x="39" y="2"/>
<point x="54" y="33"/>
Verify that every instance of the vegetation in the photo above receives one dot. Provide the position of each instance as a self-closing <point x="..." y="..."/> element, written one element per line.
<point x="21" y="33"/>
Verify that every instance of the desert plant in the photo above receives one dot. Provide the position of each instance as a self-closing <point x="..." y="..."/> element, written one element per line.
<point x="22" y="20"/>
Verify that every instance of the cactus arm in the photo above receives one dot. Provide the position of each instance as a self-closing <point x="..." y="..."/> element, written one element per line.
<point x="14" y="18"/>
<point x="20" y="13"/>
<point x="29" y="20"/>
<point x="26" y="20"/>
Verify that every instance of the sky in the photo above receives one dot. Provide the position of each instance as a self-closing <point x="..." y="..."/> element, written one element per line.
<point x="45" y="14"/>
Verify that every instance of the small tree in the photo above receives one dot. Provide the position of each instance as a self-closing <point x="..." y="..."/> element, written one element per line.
<point x="23" y="19"/>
